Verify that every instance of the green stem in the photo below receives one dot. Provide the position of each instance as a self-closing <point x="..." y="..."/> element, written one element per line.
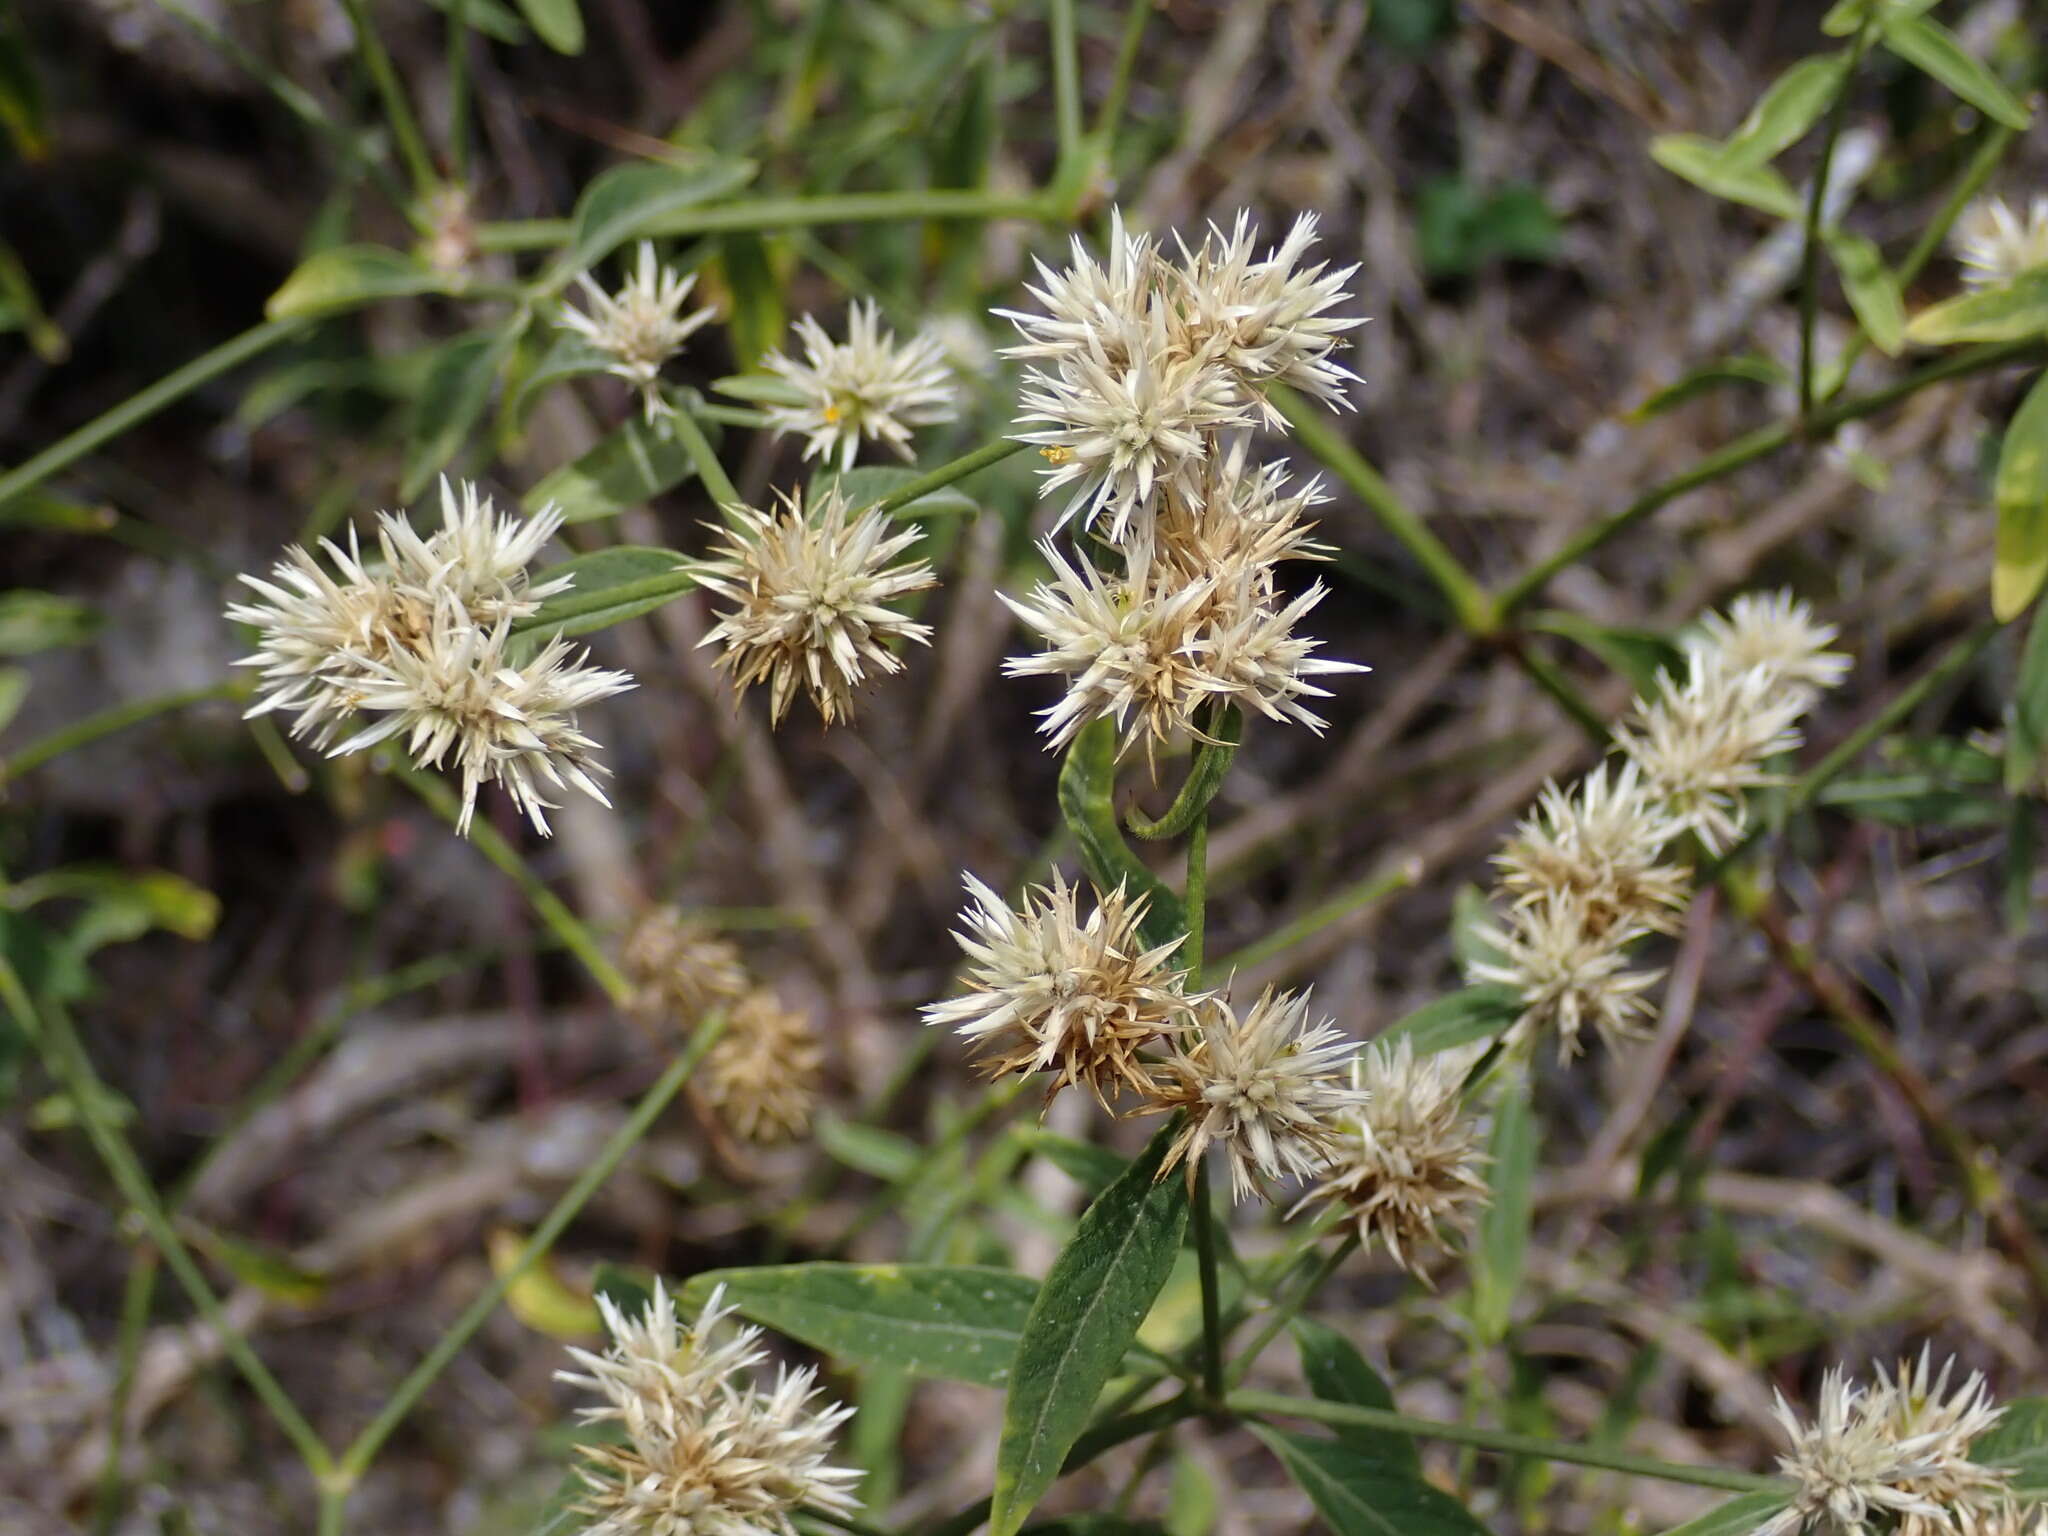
<point x="136" y="1295"/>
<point x="1467" y="598"/>
<point x="1212" y="1305"/>
<point x="1816" y="197"/>
<point x="61" y="1049"/>
<point x="412" y="149"/>
<point x="1066" y="77"/>
<point x="1548" y="676"/>
<point x="1338" y="907"/>
<point x="1746" y="450"/>
<point x="1274" y="1404"/>
<point x="789" y="213"/>
<point x="946" y="474"/>
<point x="1109" y="116"/>
<point x="458" y="88"/>
<point x="1205" y="778"/>
<point x="143" y="404"/>
<point x="1276" y="1322"/>
<point x="1196" y="897"/>
<point x="105" y="723"/>
<point x="333" y="1510"/>
<point x="547" y="906"/>
<point x="357" y="1458"/>
<point x="717" y="483"/>
<point x="558" y="611"/>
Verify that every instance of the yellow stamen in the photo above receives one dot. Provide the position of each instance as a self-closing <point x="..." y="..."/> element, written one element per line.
<point x="1058" y="453"/>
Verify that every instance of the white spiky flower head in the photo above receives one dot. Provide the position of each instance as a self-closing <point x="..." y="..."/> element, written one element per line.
<point x="310" y="624"/>
<point x="1050" y="991"/>
<point x="1702" y="745"/>
<point x="1128" y="655"/>
<point x="763" y="1076"/>
<point x="455" y="696"/>
<point x="871" y="387"/>
<point x="1124" y="432"/>
<point x="1895" y="1457"/>
<point x="1268" y="1086"/>
<point x="1269" y="319"/>
<point x="707" y="1449"/>
<point x="1571" y="971"/>
<point x="478" y="556"/>
<point x="1245" y="521"/>
<point x="1777" y="632"/>
<point x="1408" y="1160"/>
<point x="1995" y="243"/>
<point x="1598" y="844"/>
<point x="811" y="586"/>
<point x="641" y="326"/>
<point x="1090" y="307"/>
<point x="1252" y="656"/>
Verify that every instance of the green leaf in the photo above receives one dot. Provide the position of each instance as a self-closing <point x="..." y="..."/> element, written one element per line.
<point x="559" y="23"/>
<point x="1093" y="1168"/>
<point x="489" y="17"/>
<point x="640" y="461"/>
<point x="756" y="317"/>
<point x="13" y="690"/>
<point x="867" y="484"/>
<point x="21" y="310"/>
<point x="1786" y="112"/>
<point x="958" y="1324"/>
<point x="121" y="904"/>
<point x="635" y="202"/>
<point x="568" y="357"/>
<point x="22" y="110"/>
<point x="1872" y="288"/>
<point x="1359" y="1496"/>
<point x="1640" y="655"/>
<point x="263" y="1268"/>
<point x="2027" y="719"/>
<point x="1502" y="1251"/>
<point x="612" y="586"/>
<point x="2022" y="1429"/>
<point x="1338" y="1373"/>
<point x="350" y="276"/>
<point x="2011" y="312"/>
<point x="1701" y="162"/>
<point x="1913" y="800"/>
<point x="1094" y="1525"/>
<point x="1931" y="48"/>
<point x="2020" y="491"/>
<point x="869" y="1149"/>
<point x="760" y="389"/>
<point x="1087" y="801"/>
<point x="457" y="390"/>
<point x="1738" y="1517"/>
<point x="1745" y="369"/>
<point x="55" y="514"/>
<point x="1459" y="228"/>
<point x="1474" y="1013"/>
<point x="32" y="621"/>
<point x="1190" y="1499"/>
<point x="1086" y="1315"/>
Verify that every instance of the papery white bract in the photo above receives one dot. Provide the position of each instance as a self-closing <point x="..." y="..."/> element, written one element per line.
<point x="1996" y="243"/>
<point x="641" y="326"/>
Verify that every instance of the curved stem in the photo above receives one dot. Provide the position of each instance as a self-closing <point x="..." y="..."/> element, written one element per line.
<point x="566" y="926"/>
<point x="946" y="474"/>
<point x="412" y="149"/>
<point x="363" y="1449"/>
<point x="145" y="403"/>
<point x="1274" y="1404"/>
<point x="1212" y="763"/>
<point x="1204" y="1214"/>
<point x="1746" y="450"/>
<point x="1816" y="202"/>
<point x="791" y="213"/>
<point x="105" y="723"/>
<point x="1277" y="1321"/>
<point x="717" y="483"/>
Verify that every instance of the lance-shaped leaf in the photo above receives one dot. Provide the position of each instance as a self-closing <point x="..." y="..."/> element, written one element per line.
<point x="1086" y="1315"/>
<point x="633" y="202"/>
<point x="2020" y="562"/>
<point x="611" y="586"/>
<point x="1359" y="1496"/>
<point x="1338" y="1373"/>
<point x="2010" y="312"/>
<point x="960" y="1323"/>
<point x="350" y="276"/>
<point x="641" y="460"/>
<point x="1502" y="1251"/>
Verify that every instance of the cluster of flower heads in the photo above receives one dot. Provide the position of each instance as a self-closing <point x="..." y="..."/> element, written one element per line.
<point x="414" y="646"/>
<point x="763" y="1076"/>
<point x="1146" y="379"/>
<point x="1995" y="243"/>
<point x="1588" y="875"/>
<point x="706" y="1449"/>
<point x="1895" y="1457"/>
<point x="1089" y="1002"/>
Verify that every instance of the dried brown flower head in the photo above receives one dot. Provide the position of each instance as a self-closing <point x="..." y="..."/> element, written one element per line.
<point x="763" y="1075"/>
<point x="679" y="968"/>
